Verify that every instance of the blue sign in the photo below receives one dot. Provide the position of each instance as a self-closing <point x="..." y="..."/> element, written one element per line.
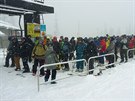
<point x="42" y="27"/>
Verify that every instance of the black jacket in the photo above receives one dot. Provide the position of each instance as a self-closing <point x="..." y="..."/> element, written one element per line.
<point x="91" y="50"/>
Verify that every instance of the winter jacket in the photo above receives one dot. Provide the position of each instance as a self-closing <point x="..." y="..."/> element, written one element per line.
<point x="45" y="41"/>
<point x="30" y="42"/>
<point x="91" y="50"/>
<point x="107" y="43"/>
<point x="80" y="48"/>
<point x="124" y="43"/>
<point x="10" y="48"/>
<point x="102" y="46"/>
<point x="72" y="43"/>
<point x="50" y="57"/>
<point x="24" y="49"/>
<point x="111" y="47"/>
<point x="56" y="47"/>
<point x="16" y="48"/>
<point x="39" y="51"/>
<point x="131" y="44"/>
<point x="66" y="47"/>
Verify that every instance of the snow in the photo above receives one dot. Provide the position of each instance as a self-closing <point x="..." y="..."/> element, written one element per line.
<point x="4" y="24"/>
<point x="2" y="34"/>
<point x="115" y="84"/>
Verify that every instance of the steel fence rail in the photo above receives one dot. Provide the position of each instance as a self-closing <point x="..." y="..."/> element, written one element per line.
<point x="94" y="57"/>
<point x="133" y="49"/>
<point x="47" y="65"/>
<point x="85" y="64"/>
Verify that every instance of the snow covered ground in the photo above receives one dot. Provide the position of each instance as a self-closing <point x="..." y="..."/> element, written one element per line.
<point x="116" y="84"/>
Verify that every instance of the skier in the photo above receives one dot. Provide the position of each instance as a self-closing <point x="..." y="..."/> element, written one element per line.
<point x="24" y="53"/>
<point x="31" y="46"/>
<point x="16" y="51"/>
<point x="72" y="43"/>
<point x="38" y="54"/>
<point x="80" y="48"/>
<point x="111" y="49"/>
<point x="131" y="46"/>
<point x="50" y="57"/>
<point x="56" y="45"/>
<point x="124" y="48"/>
<point x="56" y="48"/>
<point x="102" y="50"/>
<point x="10" y="53"/>
<point x="65" y="52"/>
<point x="91" y="50"/>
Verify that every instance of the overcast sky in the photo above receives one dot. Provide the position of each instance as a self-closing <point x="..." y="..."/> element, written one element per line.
<point x="88" y="17"/>
<point x="91" y="17"/>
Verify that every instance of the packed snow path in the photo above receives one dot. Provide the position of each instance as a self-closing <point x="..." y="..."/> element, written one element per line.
<point x="115" y="84"/>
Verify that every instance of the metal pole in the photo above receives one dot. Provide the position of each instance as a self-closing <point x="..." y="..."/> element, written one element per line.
<point x="20" y="25"/>
<point x="38" y="72"/>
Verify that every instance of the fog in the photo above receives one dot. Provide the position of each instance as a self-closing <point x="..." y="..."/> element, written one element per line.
<point x="91" y="17"/>
<point x="88" y="17"/>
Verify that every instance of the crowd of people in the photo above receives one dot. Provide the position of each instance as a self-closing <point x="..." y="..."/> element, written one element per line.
<point x="44" y="50"/>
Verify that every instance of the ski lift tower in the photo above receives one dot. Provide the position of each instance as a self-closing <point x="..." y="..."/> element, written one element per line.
<point x="31" y="10"/>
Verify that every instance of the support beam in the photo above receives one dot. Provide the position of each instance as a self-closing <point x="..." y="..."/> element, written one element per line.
<point x="40" y="8"/>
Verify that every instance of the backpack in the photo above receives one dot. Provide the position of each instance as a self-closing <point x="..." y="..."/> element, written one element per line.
<point x="39" y="50"/>
<point x="65" y="47"/>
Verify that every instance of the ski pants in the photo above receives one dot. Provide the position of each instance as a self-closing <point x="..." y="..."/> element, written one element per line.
<point x="53" y="74"/>
<point x="9" y="55"/>
<point x="130" y="54"/>
<point x="123" y="54"/>
<point x="25" y="63"/>
<point x="40" y="62"/>
<point x="101" y="59"/>
<point x="65" y="58"/>
<point x="17" y="61"/>
<point x="71" y="56"/>
<point x="111" y="60"/>
<point x="79" y="64"/>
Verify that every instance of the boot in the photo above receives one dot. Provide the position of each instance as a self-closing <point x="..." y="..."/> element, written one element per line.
<point x="17" y="69"/>
<point x="53" y="82"/>
<point x="12" y="65"/>
<point x="45" y="79"/>
<point x="6" y="66"/>
<point x="26" y="71"/>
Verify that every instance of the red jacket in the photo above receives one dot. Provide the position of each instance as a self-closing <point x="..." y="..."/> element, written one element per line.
<point x="103" y="45"/>
<point x="131" y="44"/>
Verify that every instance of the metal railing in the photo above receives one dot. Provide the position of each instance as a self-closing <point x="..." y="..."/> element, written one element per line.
<point x="54" y="64"/>
<point x="94" y="57"/>
<point x="85" y="63"/>
<point x="133" y="49"/>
